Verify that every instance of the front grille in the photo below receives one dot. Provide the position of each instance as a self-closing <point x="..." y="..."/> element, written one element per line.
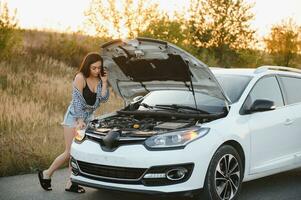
<point x="110" y="144"/>
<point x="111" y="172"/>
<point x="118" y="142"/>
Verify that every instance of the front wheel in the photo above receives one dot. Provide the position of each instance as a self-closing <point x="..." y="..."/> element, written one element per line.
<point x="224" y="175"/>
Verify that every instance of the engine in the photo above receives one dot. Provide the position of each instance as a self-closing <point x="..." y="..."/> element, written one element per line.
<point x="138" y="126"/>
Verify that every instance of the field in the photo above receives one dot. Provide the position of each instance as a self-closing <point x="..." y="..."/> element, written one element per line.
<point x="35" y="91"/>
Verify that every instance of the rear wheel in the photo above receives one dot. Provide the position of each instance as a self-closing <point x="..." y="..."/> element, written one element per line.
<point x="224" y="175"/>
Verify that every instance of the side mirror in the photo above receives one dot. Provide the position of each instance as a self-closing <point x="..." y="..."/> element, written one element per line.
<point x="261" y="105"/>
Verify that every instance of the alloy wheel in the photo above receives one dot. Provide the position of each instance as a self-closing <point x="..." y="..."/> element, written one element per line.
<point x="227" y="177"/>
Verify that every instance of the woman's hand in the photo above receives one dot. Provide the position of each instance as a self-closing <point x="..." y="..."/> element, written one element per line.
<point x="80" y="124"/>
<point x="104" y="78"/>
<point x="104" y="81"/>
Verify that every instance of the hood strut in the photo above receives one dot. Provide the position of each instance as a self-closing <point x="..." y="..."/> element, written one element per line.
<point x="191" y="83"/>
<point x="192" y="89"/>
<point x="144" y="86"/>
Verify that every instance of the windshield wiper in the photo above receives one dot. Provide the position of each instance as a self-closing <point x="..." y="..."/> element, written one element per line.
<point x="145" y="105"/>
<point x="157" y="106"/>
<point x="177" y="107"/>
<point x="174" y="107"/>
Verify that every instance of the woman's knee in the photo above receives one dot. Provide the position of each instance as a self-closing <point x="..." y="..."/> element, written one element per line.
<point x="69" y="135"/>
<point x="67" y="155"/>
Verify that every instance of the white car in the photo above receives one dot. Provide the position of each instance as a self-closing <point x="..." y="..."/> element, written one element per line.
<point x="186" y="127"/>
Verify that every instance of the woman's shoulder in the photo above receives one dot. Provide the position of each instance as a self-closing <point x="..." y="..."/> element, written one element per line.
<point x="79" y="76"/>
<point x="79" y="80"/>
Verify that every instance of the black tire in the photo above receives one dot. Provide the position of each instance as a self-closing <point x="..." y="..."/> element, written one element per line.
<point x="232" y="175"/>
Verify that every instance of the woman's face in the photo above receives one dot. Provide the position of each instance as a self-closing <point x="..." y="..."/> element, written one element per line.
<point x="95" y="69"/>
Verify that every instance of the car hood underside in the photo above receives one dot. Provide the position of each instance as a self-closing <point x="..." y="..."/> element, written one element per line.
<point x="141" y="65"/>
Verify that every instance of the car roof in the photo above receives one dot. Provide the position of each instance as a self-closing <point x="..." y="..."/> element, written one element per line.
<point x="258" y="72"/>
<point x="233" y="71"/>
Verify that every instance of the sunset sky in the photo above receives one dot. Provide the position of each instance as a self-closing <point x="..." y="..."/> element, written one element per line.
<point x="69" y="14"/>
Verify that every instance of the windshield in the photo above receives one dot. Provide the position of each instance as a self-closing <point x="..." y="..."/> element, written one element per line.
<point x="179" y="97"/>
<point x="233" y="85"/>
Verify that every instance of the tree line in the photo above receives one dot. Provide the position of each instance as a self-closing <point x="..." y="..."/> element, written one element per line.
<point x="9" y="34"/>
<point x="216" y="31"/>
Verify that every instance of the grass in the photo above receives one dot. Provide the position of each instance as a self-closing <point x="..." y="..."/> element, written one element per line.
<point x="34" y="95"/>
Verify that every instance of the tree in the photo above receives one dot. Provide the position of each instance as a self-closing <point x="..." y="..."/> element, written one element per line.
<point x="8" y="34"/>
<point x="222" y="26"/>
<point x="284" y="42"/>
<point x="165" y="28"/>
<point x="121" y="18"/>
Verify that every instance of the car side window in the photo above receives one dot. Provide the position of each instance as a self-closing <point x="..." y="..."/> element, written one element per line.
<point x="266" y="88"/>
<point x="292" y="87"/>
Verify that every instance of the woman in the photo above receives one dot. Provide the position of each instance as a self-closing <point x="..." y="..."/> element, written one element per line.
<point x="89" y="90"/>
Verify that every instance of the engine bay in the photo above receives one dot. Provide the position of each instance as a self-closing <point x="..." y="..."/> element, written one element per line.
<point x="138" y="126"/>
<point x="134" y="122"/>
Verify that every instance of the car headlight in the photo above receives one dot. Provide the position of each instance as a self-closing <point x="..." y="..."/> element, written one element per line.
<point x="80" y="135"/>
<point x="176" y="139"/>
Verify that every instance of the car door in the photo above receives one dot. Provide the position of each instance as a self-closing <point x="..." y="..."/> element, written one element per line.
<point x="270" y="144"/>
<point x="291" y="90"/>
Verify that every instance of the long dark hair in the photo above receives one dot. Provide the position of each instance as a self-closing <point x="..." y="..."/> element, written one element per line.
<point x="89" y="59"/>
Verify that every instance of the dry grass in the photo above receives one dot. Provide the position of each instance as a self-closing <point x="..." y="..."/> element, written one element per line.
<point x="34" y="94"/>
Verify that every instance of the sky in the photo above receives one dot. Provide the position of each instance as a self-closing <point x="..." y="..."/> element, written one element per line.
<point x="65" y="15"/>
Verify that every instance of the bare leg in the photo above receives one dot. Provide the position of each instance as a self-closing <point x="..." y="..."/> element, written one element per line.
<point x="68" y="184"/>
<point x="69" y="134"/>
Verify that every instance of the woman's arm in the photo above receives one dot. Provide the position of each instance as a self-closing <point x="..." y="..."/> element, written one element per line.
<point x="79" y="84"/>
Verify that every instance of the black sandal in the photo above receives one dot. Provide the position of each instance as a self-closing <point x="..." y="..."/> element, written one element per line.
<point x="45" y="183"/>
<point x="75" y="188"/>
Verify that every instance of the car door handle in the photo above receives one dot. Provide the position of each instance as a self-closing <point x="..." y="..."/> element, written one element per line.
<point x="288" y="122"/>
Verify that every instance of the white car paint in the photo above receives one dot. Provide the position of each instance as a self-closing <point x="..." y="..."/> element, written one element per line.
<point x="271" y="143"/>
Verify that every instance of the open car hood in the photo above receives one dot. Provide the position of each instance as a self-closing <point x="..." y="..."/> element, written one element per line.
<point x="141" y="65"/>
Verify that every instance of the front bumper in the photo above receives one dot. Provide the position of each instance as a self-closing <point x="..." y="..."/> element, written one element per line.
<point x="137" y="156"/>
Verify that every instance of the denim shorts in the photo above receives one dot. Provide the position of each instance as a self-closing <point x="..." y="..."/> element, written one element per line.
<point x="70" y="120"/>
